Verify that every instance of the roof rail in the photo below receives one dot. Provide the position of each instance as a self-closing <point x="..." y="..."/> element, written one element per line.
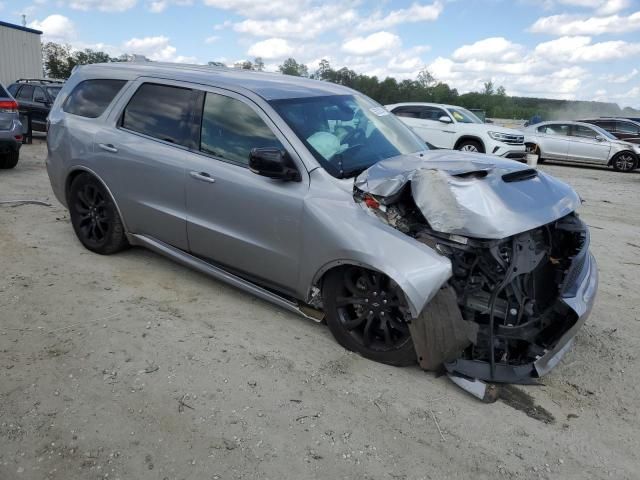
<point x="40" y="81"/>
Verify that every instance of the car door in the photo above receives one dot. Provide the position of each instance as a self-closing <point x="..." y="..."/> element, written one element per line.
<point x="245" y="222"/>
<point x="424" y="120"/>
<point x="40" y="109"/>
<point x="554" y="140"/>
<point x="25" y="102"/>
<point x="144" y="146"/>
<point x="587" y="145"/>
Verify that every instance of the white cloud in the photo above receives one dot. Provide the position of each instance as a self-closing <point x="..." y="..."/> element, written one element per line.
<point x="56" y="28"/>
<point x="415" y="13"/>
<point x="374" y="44"/>
<point x="256" y="8"/>
<point x="580" y="25"/>
<point x="159" y="6"/>
<point x="211" y="39"/>
<point x="309" y="24"/>
<point x="616" y="78"/>
<point x="579" y="49"/>
<point x="155" y="48"/>
<point x="102" y="5"/>
<point x="1" y="6"/>
<point x="270" y="49"/>
<point x="495" y="48"/>
<point x="603" y="7"/>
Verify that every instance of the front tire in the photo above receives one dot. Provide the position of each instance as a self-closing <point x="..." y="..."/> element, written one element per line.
<point x="9" y="160"/>
<point x="366" y="313"/>
<point x="470" y="146"/>
<point x="624" y="162"/>
<point x="94" y="216"/>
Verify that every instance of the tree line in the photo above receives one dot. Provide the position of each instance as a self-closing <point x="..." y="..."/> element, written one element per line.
<point x="59" y="61"/>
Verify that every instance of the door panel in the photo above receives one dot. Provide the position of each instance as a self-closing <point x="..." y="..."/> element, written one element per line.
<point x="584" y="146"/>
<point x="237" y="218"/>
<point x="554" y="141"/>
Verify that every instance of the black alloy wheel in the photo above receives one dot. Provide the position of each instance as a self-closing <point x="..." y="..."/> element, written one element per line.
<point x="366" y="312"/>
<point x="95" y="217"/>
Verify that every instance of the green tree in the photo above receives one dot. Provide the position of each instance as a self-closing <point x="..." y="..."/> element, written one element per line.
<point x="291" y="67"/>
<point x="501" y="92"/>
<point x="258" y="64"/>
<point x="488" y="88"/>
<point x="60" y="60"/>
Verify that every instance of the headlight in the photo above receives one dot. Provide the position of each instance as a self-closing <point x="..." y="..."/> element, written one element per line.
<point x="636" y="148"/>
<point x="500" y="137"/>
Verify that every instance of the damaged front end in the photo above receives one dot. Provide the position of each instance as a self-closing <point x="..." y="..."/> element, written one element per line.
<point x="523" y="280"/>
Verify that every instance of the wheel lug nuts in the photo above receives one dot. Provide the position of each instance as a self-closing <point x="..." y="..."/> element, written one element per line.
<point x="375" y="294"/>
<point x="384" y="301"/>
<point x="370" y="312"/>
<point x="366" y="300"/>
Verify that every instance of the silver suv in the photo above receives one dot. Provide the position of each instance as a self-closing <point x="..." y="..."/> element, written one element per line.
<point x="10" y="130"/>
<point x="314" y="197"/>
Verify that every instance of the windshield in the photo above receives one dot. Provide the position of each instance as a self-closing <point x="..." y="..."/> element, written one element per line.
<point x="53" y="91"/>
<point x="462" y="115"/>
<point x="347" y="133"/>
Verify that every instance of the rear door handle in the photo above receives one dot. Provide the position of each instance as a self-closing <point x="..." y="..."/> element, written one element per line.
<point x="108" y="147"/>
<point x="202" y="176"/>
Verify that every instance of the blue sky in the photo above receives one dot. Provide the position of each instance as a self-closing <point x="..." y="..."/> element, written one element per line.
<point x="583" y="49"/>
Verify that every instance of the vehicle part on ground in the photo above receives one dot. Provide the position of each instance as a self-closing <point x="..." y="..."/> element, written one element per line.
<point x="624" y="162"/>
<point x="94" y="216"/>
<point x="486" y="392"/>
<point x="367" y="313"/>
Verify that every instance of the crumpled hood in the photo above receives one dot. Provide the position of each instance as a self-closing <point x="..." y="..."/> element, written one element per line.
<point x="472" y="194"/>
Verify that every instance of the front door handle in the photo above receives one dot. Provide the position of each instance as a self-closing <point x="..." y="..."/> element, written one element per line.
<point x="202" y="176"/>
<point x="108" y="147"/>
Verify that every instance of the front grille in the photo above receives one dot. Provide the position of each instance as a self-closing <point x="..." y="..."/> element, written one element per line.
<point x="513" y="139"/>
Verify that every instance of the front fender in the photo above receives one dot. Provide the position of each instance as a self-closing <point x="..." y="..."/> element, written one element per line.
<point x="337" y="231"/>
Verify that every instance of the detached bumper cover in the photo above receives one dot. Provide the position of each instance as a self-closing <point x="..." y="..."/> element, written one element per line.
<point x="579" y="297"/>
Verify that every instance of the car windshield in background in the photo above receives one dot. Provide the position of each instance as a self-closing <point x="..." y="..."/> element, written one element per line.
<point x="53" y="91"/>
<point x="603" y="132"/>
<point x="347" y="133"/>
<point x="463" y="115"/>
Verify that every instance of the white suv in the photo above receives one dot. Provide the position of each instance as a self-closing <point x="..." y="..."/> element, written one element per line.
<point x="448" y="126"/>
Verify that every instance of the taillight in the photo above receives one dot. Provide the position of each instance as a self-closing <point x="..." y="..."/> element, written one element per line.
<point x="8" y="106"/>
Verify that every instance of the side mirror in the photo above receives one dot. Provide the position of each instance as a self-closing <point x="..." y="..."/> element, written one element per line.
<point x="272" y="163"/>
<point x="445" y="119"/>
<point x="599" y="138"/>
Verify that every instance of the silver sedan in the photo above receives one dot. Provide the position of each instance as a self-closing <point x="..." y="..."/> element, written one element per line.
<point x="580" y="142"/>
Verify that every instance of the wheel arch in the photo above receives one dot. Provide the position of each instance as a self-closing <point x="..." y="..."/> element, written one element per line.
<point x="418" y="291"/>
<point x="79" y="169"/>
<point x="464" y="138"/>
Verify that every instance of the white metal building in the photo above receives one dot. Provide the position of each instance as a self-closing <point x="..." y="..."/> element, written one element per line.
<point x="20" y="53"/>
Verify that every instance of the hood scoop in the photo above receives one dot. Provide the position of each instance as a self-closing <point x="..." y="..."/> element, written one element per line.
<point x="474" y="195"/>
<point x="527" y="174"/>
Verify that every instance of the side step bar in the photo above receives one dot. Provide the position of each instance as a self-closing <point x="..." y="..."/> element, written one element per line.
<point x="220" y="274"/>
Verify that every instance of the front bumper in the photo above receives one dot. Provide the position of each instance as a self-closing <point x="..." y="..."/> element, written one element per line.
<point x="505" y="150"/>
<point x="578" y="297"/>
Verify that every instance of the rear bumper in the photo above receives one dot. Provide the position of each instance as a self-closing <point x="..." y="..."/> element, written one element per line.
<point x="11" y="140"/>
<point x="578" y="300"/>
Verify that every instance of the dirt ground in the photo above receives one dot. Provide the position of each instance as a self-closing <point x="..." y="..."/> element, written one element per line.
<point x="133" y="367"/>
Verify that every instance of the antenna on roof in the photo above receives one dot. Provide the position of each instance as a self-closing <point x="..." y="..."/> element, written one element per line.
<point x="24" y="20"/>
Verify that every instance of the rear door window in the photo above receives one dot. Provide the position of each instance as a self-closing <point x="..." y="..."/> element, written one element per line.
<point x="92" y="97"/>
<point x="583" y="132"/>
<point x="231" y="128"/>
<point x="160" y="111"/>
<point x="432" y="113"/>
<point x="13" y="89"/>
<point x="38" y="95"/>
<point x="555" y="129"/>
<point x="25" y="93"/>
<point x="407" y="112"/>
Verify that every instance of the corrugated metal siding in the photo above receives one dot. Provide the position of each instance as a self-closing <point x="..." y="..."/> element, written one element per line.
<point x="20" y="55"/>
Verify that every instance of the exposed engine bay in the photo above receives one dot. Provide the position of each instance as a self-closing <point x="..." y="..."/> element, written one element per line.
<point x="508" y="291"/>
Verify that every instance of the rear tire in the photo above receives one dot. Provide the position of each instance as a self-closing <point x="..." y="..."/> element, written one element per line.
<point x="470" y="146"/>
<point x="365" y="312"/>
<point x="624" y="162"/>
<point x="9" y="160"/>
<point x="94" y="216"/>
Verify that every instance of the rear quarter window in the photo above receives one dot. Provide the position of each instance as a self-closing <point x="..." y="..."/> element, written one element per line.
<point x="91" y="98"/>
<point x="3" y="92"/>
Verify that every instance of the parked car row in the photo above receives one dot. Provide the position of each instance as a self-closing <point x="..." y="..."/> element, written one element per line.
<point x="612" y="142"/>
